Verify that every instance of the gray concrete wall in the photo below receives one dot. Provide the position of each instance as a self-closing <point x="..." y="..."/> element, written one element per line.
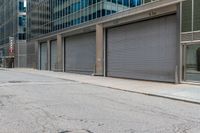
<point x="99" y="50"/>
<point x="31" y="55"/>
<point x="20" y="54"/>
<point x="60" y="54"/>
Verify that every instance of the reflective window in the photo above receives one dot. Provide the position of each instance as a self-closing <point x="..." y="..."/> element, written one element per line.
<point x="187" y="16"/>
<point x="51" y="15"/>
<point x="192" y="63"/>
<point x="22" y="6"/>
<point x="12" y="25"/>
<point x="196" y="15"/>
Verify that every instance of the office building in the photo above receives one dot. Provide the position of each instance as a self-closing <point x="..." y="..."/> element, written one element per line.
<point x="156" y="40"/>
<point x="13" y="31"/>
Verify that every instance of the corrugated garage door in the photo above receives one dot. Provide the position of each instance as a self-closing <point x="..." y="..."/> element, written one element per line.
<point x="43" y="56"/>
<point x="53" y="55"/>
<point x="80" y="53"/>
<point x="144" y="50"/>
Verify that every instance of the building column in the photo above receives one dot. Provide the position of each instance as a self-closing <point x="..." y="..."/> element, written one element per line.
<point x="48" y="55"/>
<point x="37" y="55"/>
<point x="99" y="50"/>
<point x="60" y="59"/>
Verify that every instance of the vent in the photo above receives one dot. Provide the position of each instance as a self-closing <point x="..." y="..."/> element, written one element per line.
<point x="196" y="35"/>
<point x="186" y="37"/>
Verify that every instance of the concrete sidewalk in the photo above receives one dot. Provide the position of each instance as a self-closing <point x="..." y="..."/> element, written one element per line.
<point x="182" y="92"/>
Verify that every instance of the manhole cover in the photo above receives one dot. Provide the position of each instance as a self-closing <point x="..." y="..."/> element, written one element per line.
<point x="76" y="131"/>
<point x="16" y="81"/>
<point x="65" y="132"/>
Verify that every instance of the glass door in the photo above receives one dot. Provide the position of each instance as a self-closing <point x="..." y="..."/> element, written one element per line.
<point x="191" y="63"/>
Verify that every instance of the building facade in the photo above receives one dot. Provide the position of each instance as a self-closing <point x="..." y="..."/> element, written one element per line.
<point x="155" y="40"/>
<point x="13" y="25"/>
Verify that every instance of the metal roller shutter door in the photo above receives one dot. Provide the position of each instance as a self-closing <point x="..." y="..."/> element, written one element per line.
<point x="144" y="50"/>
<point x="43" y="56"/>
<point x="53" y="55"/>
<point x="80" y="53"/>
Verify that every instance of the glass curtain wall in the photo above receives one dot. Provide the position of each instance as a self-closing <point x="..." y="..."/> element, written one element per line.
<point x="12" y="21"/>
<point x="45" y="16"/>
<point x="21" y="20"/>
<point x="8" y="19"/>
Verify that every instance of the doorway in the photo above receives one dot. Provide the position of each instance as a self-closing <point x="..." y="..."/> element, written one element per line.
<point x="192" y="62"/>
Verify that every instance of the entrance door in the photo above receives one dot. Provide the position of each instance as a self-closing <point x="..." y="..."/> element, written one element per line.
<point x="192" y="62"/>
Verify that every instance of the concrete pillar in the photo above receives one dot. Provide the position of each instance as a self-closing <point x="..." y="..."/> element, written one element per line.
<point x="37" y="55"/>
<point x="48" y="55"/>
<point x="99" y="50"/>
<point x="60" y="59"/>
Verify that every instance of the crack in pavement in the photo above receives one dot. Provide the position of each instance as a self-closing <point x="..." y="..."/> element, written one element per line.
<point x="43" y="118"/>
<point x="5" y="99"/>
<point x="1" y="104"/>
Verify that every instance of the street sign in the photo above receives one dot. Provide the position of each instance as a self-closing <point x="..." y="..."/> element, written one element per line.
<point x="11" y="45"/>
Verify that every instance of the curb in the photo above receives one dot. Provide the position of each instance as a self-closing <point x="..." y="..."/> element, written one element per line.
<point x="131" y="91"/>
<point x="142" y="93"/>
<point x="119" y="89"/>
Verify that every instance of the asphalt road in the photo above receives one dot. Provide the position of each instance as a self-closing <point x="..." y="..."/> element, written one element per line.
<point x="30" y="103"/>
